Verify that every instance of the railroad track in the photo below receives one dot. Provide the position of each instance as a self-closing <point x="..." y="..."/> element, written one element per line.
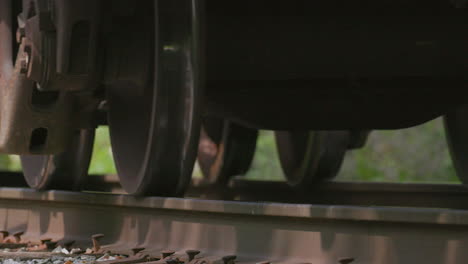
<point x="453" y="196"/>
<point x="254" y="231"/>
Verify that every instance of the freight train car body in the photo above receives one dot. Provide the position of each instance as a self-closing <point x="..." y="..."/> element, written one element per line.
<point x="158" y="72"/>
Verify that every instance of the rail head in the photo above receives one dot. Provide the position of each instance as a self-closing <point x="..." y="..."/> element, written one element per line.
<point x="312" y="212"/>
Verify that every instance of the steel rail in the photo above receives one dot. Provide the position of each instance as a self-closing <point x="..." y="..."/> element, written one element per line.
<point x="254" y="231"/>
<point x="454" y="196"/>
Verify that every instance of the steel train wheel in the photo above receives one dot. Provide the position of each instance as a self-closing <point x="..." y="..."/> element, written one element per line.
<point x="154" y="128"/>
<point x="456" y="133"/>
<point x="310" y="157"/>
<point x="225" y="150"/>
<point x="65" y="171"/>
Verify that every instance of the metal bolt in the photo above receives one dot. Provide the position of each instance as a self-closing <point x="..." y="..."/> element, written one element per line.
<point x="20" y="34"/>
<point x="229" y="259"/>
<point x="45" y="240"/>
<point x="345" y="260"/>
<point x="136" y="250"/>
<point x="17" y="236"/>
<point x="191" y="253"/>
<point x="103" y="106"/>
<point x="24" y="63"/>
<point x="167" y="253"/>
<point x="96" y="245"/>
<point x="4" y="234"/>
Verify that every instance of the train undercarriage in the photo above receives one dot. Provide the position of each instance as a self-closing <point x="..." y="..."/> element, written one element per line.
<point x="187" y="79"/>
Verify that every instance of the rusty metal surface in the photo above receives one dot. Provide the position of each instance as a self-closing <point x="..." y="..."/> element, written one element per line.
<point x="454" y="196"/>
<point x="39" y="111"/>
<point x="252" y="231"/>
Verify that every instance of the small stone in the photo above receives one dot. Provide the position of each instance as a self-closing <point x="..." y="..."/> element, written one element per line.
<point x="76" y="251"/>
<point x="57" y="250"/>
<point x="54" y="258"/>
<point x="106" y="257"/>
<point x="87" y="257"/>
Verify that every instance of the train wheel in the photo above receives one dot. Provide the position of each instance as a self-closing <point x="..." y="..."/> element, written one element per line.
<point x="310" y="157"/>
<point x="65" y="171"/>
<point x="225" y="150"/>
<point x="456" y="133"/>
<point x="155" y="127"/>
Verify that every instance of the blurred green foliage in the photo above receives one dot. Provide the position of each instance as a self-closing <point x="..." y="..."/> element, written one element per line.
<point x="102" y="162"/>
<point x="265" y="165"/>
<point x="10" y="163"/>
<point x="416" y="154"/>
